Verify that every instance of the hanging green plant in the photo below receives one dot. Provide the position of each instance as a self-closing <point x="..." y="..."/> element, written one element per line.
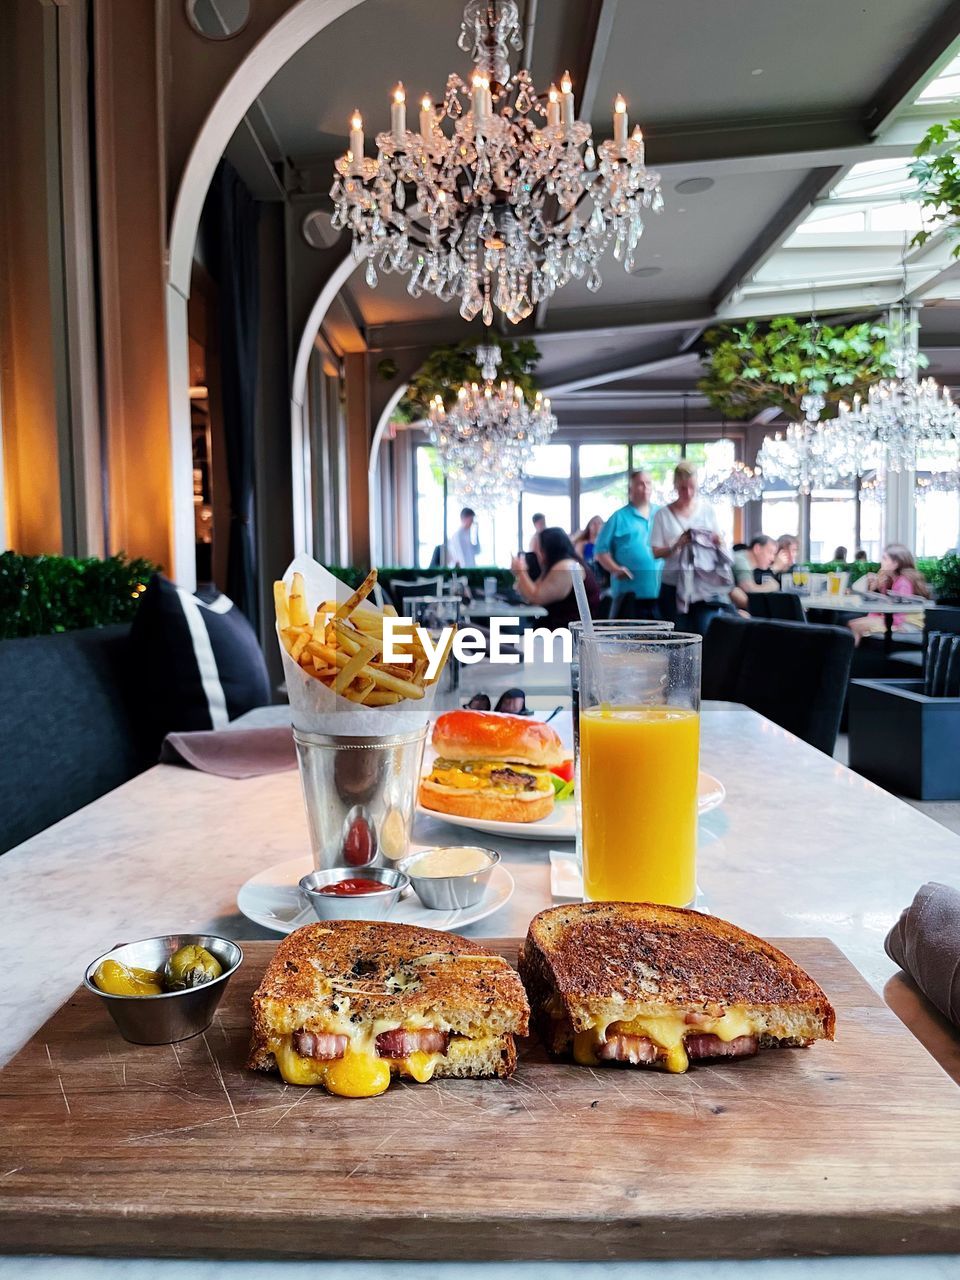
<point x="774" y="364"/>
<point x="446" y="369"/>
<point x="936" y="171"/>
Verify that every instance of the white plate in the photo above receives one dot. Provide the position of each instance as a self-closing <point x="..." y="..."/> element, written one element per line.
<point x="561" y="824"/>
<point x="272" y="899"/>
<point x="710" y="792"/>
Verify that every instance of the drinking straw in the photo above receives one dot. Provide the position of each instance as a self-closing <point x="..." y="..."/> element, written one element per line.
<point x="580" y="591"/>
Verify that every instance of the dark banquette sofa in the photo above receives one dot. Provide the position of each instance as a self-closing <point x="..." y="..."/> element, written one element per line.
<point x="83" y="711"/>
<point x="68" y="726"/>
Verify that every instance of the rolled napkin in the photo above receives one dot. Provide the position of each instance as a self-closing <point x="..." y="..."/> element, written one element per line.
<point x="232" y="753"/>
<point x="925" y="942"/>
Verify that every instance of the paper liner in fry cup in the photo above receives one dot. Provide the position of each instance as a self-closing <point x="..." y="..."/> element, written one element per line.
<point x="314" y="708"/>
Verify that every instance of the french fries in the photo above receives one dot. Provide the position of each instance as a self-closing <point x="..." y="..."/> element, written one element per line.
<point x="342" y="645"/>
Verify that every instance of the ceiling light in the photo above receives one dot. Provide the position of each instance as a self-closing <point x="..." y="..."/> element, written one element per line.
<point x="508" y="205"/>
<point x="694" y="186"/>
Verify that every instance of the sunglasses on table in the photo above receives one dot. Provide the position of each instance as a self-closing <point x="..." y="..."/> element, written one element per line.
<point x="513" y="702"/>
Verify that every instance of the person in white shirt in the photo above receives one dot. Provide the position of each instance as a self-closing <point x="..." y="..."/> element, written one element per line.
<point x="462" y="546"/>
<point x="670" y="535"/>
<point x="539" y="521"/>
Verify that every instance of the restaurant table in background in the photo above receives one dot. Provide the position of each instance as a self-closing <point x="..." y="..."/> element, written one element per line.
<point x="801" y="847"/>
<point x="854" y="603"/>
<point x="483" y="608"/>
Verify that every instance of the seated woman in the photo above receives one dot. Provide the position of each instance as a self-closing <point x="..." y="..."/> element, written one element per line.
<point x="584" y="544"/>
<point x="585" y="539"/>
<point x="554" y="588"/>
<point x="898" y="576"/>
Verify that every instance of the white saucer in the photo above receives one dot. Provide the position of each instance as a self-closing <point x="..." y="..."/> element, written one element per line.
<point x="561" y="823"/>
<point x="272" y="899"/>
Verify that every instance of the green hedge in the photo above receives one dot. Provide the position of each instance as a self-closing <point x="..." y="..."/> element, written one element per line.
<point x="40" y="595"/>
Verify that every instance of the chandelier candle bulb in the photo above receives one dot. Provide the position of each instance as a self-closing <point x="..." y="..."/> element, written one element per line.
<point x="638" y="143"/>
<point x="356" y="136"/>
<point x="620" y="122"/>
<point x="426" y="116"/>
<point x="566" y="88"/>
<point x="553" y="107"/>
<point x="482" y="101"/>
<point x="398" y="114"/>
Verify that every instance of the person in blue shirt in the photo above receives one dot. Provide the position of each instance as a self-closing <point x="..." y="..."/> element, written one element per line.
<point x="623" y="549"/>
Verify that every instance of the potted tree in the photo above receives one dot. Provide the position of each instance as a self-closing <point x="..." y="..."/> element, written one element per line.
<point x="936" y="170"/>
<point x="775" y="364"/>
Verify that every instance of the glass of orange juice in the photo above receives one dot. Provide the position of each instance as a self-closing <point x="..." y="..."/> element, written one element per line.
<point x="638" y="766"/>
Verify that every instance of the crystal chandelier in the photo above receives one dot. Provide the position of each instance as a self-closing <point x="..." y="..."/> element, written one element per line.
<point x="738" y="485"/>
<point x="741" y="484"/>
<point x="511" y="202"/>
<point x="486" y="439"/>
<point x="874" y="489"/>
<point x="905" y="414"/>
<point x="938" y="482"/>
<point x="810" y="454"/>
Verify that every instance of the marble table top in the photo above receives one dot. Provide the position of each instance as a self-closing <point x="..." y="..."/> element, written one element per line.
<point x="855" y="603"/>
<point x="483" y="608"/>
<point x="802" y="846"/>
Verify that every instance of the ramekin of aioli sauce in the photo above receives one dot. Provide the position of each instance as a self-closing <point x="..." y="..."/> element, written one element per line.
<point x="450" y="860"/>
<point x="450" y="877"/>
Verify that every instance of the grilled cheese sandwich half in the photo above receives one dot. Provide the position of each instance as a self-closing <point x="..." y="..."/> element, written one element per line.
<point x="661" y="987"/>
<point x="349" y="1004"/>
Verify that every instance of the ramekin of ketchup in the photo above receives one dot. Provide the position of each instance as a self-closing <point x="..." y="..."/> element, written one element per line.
<point x="352" y="886"/>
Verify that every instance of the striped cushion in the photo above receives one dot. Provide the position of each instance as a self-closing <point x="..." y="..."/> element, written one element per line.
<point x="197" y="661"/>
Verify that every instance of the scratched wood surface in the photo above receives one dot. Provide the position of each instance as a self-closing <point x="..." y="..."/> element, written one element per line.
<point x="110" y="1148"/>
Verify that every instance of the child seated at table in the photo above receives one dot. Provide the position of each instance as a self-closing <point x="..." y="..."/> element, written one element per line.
<point x="898" y="576"/>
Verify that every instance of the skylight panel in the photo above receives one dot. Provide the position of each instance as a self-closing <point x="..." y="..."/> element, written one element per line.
<point x="945" y="87"/>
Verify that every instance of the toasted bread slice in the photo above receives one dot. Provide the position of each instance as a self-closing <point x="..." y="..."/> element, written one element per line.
<point x="643" y="983"/>
<point x="355" y="980"/>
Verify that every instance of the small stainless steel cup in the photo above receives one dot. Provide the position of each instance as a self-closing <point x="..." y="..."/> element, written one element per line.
<point x="360" y="795"/>
<point x="174" y="1015"/>
<point x="450" y="893"/>
<point x="360" y="906"/>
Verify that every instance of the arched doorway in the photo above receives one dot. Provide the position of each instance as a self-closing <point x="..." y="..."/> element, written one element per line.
<point x="304" y="20"/>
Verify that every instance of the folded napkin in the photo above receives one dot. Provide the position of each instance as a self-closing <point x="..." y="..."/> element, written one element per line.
<point x="566" y="880"/>
<point x="232" y="753"/>
<point x="925" y="942"/>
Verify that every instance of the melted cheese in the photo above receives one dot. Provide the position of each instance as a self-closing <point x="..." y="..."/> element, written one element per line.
<point x="360" y="1073"/>
<point x="667" y="1031"/>
<point x="420" y="1066"/>
<point x="474" y="775"/>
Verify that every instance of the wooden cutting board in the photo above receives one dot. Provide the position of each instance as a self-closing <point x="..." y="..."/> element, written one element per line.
<point x="111" y="1148"/>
